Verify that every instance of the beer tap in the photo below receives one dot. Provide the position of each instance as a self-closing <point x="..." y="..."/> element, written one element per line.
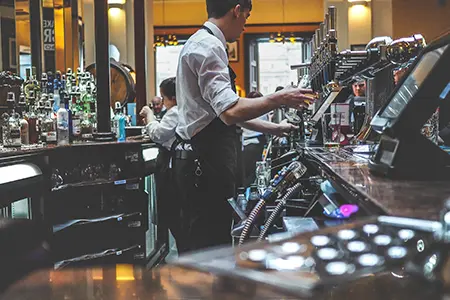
<point x="402" y="50"/>
<point x="332" y="41"/>
<point x="323" y="63"/>
<point x="379" y="53"/>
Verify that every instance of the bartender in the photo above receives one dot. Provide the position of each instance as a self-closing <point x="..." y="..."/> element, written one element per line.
<point x="163" y="133"/>
<point x="209" y="110"/>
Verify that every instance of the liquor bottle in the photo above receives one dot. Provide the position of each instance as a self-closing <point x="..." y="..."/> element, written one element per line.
<point x="66" y="100"/>
<point x="32" y="119"/>
<point x="62" y="118"/>
<point x="50" y="82"/>
<point x="24" y="127"/>
<point x="86" y="127"/>
<point x="28" y="84"/>
<point x="88" y="100"/>
<point x="76" y="116"/>
<point x="63" y="84"/>
<point x="11" y="132"/>
<point x="119" y="123"/>
<point x="44" y="83"/>
<point x="68" y="80"/>
<point x="40" y="118"/>
<point x="34" y="81"/>
<point x="48" y="125"/>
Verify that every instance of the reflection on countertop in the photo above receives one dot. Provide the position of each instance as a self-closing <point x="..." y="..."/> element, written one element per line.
<point x="405" y="198"/>
<point x="175" y="282"/>
<point x="127" y="282"/>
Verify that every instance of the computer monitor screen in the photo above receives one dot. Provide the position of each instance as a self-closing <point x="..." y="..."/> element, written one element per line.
<point x="412" y="83"/>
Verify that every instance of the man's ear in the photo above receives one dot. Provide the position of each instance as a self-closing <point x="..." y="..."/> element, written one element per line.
<point x="236" y="11"/>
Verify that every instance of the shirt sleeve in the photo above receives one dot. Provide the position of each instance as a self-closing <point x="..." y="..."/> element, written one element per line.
<point x="210" y="64"/>
<point x="161" y="132"/>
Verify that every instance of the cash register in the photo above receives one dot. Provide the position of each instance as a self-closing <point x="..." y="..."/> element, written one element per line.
<point x="403" y="151"/>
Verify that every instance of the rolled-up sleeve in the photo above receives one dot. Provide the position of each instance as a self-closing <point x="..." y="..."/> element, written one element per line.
<point x="161" y="132"/>
<point x="213" y="78"/>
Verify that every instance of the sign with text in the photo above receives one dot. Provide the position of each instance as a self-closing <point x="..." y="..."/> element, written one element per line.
<point x="49" y="35"/>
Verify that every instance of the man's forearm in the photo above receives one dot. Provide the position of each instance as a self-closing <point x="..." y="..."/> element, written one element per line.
<point x="260" y="126"/>
<point x="248" y="109"/>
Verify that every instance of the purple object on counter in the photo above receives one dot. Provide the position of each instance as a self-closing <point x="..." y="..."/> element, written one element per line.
<point x="343" y="212"/>
<point x="348" y="209"/>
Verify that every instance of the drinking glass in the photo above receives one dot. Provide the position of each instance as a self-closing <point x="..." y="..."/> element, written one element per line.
<point x="331" y="129"/>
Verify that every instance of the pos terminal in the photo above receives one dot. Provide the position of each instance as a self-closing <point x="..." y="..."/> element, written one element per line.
<point x="403" y="150"/>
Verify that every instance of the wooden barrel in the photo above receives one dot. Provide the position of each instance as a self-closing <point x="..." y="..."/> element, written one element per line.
<point x="122" y="82"/>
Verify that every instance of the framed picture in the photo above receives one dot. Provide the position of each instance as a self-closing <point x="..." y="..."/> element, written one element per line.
<point x="12" y="53"/>
<point x="358" y="47"/>
<point x="233" y="51"/>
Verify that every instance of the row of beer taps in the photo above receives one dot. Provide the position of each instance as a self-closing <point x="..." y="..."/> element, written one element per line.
<point x="328" y="67"/>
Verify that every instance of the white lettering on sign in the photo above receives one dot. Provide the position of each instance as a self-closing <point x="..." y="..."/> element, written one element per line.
<point x="49" y="35"/>
<point x="48" y="24"/>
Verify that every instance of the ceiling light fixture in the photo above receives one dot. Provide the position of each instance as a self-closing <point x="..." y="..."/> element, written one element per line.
<point x="358" y="2"/>
<point x="117" y="2"/>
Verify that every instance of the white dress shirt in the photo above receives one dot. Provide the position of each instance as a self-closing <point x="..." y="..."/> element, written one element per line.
<point x="163" y="132"/>
<point x="250" y="136"/>
<point x="203" y="82"/>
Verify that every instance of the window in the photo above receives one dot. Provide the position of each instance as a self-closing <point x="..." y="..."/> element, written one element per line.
<point x="166" y="63"/>
<point x="274" y="64"/>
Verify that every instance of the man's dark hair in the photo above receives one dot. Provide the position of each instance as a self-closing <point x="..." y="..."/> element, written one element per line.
<point x="168" y="87"/>
<point x="254" y="94"/>
<point x="219" y="8"/>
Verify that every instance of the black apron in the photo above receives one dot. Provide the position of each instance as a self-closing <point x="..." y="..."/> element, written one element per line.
<point x="205" y="180"/>
<point x="216" y="146"/>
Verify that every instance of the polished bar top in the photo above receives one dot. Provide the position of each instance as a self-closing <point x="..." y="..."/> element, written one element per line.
<point x="406" y="198"/>
<point x="124" y="282"/>
<point x="175" y="282"/>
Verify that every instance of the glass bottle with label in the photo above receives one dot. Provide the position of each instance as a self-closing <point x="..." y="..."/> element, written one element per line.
<point x="76" y="116"/>
<point x="62" y="120"/>
<point x="32" y="119"/>
<point x="11" y="132"/>
<point x="119" y="123"/>
<point x="24" y="127"/>
<point x="66" y="100"/>
<point x="44" y="83"/>
<point x="48" y="125"/>
<point x="34" y="81"/>
<point x="86" y="127"/>
<point x="28" y="84"/>
<point x="40" y="118"/>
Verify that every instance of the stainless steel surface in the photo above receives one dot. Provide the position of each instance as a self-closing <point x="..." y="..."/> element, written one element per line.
<point x="378" y="41"/>
<point x="332" y="12"/>
<point x="321" y="34"/>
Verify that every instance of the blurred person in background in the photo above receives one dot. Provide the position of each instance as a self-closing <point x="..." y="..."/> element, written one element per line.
<point x="158" y="108"/>
<point x="253" y="143"/>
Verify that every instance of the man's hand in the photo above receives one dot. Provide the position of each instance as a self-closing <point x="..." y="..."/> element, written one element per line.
<point x="296" y="98"/>
<point x="284" y="128"/>
<point x="147" y="115"/>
